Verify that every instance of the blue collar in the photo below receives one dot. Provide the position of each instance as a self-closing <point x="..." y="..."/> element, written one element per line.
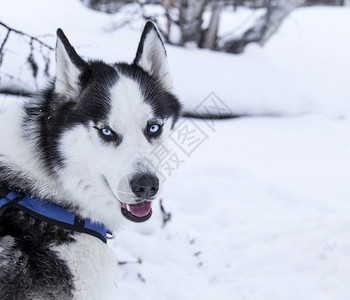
<point x="51" y="213"/>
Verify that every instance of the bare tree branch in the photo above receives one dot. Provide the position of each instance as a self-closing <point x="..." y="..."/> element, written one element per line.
<point x="38" y="60"/>
<point x="27" y="35"/>
<point x="264" y="27"/>
<point x="3" y="45"/>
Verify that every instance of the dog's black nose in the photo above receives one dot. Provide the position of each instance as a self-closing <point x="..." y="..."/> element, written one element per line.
<point x="145" y="185"/>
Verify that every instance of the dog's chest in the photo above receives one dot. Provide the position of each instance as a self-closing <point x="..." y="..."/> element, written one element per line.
<point x="93" y="266"/>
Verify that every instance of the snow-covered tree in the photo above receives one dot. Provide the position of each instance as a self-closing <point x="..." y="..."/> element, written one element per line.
<point x="30" y="62"/>
<point x="264" y="27"/>
<point x="196" y="22"/>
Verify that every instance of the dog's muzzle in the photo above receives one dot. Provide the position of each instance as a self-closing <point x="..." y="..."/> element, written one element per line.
<point x="144" y="186"/>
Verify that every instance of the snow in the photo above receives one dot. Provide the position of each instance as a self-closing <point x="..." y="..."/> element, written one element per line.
<point x="263" y="217"/>
<point x="305" y="68"/>
<point x="260" y="208"/>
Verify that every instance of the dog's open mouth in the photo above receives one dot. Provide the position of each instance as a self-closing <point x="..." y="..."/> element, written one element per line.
<point x="138" y="212"/>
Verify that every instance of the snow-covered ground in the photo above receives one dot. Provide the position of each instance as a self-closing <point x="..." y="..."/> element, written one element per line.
<point x="260" y="209"/>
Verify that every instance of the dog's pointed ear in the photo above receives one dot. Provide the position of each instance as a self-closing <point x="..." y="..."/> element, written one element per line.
<point x="151" y="55"/>
<point x="69" y="66"/>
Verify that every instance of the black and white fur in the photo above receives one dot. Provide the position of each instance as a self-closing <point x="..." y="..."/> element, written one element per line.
<point x="80" y="144"/>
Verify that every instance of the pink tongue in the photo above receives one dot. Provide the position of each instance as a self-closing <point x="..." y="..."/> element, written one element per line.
<point x="140" y="209"/>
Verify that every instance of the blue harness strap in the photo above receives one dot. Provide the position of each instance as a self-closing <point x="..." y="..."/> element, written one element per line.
<point x="51" y="213"/>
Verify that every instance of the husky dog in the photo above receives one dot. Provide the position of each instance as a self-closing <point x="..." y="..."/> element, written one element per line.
<point x="74" y="163"/>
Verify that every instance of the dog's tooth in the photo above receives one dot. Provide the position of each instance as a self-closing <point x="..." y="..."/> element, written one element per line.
<point x="128" y="207"/>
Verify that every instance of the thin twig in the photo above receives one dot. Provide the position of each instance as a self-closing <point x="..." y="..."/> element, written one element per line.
<point x="27" y="35"/>
<point x="3" y="45"/>
<point x="11" y="92"/>
<point x="166" y="215"/>
<point x="138" y="262"/>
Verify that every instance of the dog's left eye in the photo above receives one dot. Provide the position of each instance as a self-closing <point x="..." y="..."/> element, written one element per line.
<point x="154" y="128"/>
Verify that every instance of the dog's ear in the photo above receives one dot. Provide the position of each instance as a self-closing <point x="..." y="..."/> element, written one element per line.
<point x="69" y="66"/>
<point x="151" y="55"/>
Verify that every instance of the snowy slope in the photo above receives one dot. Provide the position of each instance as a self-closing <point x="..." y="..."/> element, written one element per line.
<point x="304" y="68"/>
<point x="260" y="207"/>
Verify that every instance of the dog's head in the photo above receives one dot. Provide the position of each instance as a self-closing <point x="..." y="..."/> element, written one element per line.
<point x="102" y="125"/>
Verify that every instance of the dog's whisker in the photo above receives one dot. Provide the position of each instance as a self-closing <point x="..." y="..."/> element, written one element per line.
<point x="126" y="193"/>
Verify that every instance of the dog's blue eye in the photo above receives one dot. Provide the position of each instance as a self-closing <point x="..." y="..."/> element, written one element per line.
<point x="153" y="131"/>
<point x="106" y="132"/>
<point x="154" y="128"/>
<point x="108" y="135"/>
